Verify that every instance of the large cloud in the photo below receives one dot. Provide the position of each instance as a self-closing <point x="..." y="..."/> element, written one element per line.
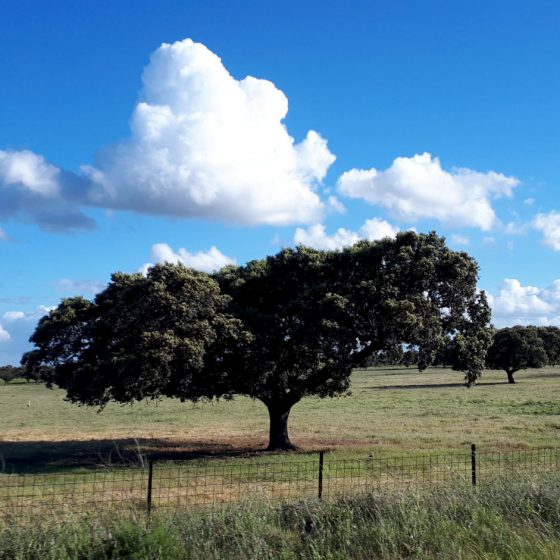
<point x="202" y="144"/>
<point x="316" y="235"/>
<point x="205" y="144"/>
<point x="418" y="187"/>
<point x="516" y="304"/>
<point x="37" y="191"/>
<point x="206" y="261"/>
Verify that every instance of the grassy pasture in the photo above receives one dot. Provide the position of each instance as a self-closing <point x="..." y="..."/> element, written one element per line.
<point x="390" y="410"/>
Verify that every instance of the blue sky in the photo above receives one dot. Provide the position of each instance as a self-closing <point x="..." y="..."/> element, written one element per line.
<point x="116" y="151"/>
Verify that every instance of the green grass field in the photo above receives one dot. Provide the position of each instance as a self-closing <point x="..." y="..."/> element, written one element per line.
<point x="390" y="410"/>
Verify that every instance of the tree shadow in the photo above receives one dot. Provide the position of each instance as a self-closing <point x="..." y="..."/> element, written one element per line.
<point x="20" y="457"/>
<point x="430" y="386"/>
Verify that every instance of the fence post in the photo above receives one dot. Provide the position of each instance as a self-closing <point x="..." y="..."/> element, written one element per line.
<point x="149" y="490"/>
<point x="473" y="464"/>
<point x="321" y="464"/>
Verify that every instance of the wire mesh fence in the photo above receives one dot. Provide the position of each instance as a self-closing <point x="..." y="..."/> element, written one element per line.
<point x="209" y="485"/>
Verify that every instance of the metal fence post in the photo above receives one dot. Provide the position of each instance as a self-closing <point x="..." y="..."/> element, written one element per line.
<point x="473" y="464"/>
<point x="149" y="489"/>
<point x="321" y="465"/>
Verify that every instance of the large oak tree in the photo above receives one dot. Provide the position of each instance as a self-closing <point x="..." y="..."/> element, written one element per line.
<point x="277" y="329"/>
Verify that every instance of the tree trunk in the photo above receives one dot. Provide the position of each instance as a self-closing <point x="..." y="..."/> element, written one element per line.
<point x="278" y="439"/>
<point x="510" y="373"/>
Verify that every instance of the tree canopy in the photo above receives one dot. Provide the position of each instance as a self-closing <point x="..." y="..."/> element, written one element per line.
<point x="516" y="348"/>
<point x="144" y="337"/>
<point x="277" y="329"/>
<point x="8" y="373"/>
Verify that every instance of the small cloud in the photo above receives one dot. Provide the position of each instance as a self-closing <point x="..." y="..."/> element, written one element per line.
<point x="510" y="245"/>
<point x="489" y="240"/>
<point x="549" y="225"/>
<point x="69" y="286"/>
<point x="4" y="334"/>
<point x="316" y="235"/>
<point x="21" y="325"/>
<point x="205" y="261"/>
<point x="460" y="239"/>
<point x="516" y="228"/>
<point x="529" y="201"/>
<point x="13" y="315"/>
<point x="3" y="235"/>
<point x="418" y="187"/>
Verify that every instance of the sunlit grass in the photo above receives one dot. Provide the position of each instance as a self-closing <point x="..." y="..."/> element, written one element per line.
<point x="390" y="411"/>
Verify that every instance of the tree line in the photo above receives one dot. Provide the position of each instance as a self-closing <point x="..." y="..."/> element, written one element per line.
<point x="512" y="349"/>
<point x="9" y="373"/>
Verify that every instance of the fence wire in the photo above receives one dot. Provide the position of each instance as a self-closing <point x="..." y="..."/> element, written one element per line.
<point x="209" y="485"/>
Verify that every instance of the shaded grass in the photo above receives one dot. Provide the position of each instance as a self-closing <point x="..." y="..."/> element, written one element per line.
<point x="390" y="411"/>
<point x="520" y="521"/>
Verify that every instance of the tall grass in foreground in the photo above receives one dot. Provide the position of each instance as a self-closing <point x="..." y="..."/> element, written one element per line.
<point x="515" y="521"/>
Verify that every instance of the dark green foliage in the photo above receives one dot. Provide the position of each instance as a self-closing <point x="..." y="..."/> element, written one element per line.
<point x="301" y="339"/>
<point x="551" y="341"/>
<point x="516" y="348"/>
<point x="142" y="338"/>
<point x="415" y="291"/>
<point x="9" y="373"/>
<point x="312" y="316"/>
<point x="278" y="329"/>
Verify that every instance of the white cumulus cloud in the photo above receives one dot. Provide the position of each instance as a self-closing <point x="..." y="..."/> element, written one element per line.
<point x="37" y="191"/>
<point x="28" y="171"/>
<point x="15" y="330"/>
<point x="316" y="235"/>
<point x="516" y="304"/>
<point x="206" y="261"/>
<point x="4" y="334"/>
<point x="549" y="225"/>
<point x="208" y="145"/>
<point x="418" y="187"/>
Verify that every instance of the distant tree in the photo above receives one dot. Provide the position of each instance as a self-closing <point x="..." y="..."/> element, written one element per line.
<point x="278" y="329"/>
<point x="516" y="348"/>
<point x="410" y="357"/>
<point x="551" y="341"/>
<point x="8" y="373"/>
<point x="33" y="370"/>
